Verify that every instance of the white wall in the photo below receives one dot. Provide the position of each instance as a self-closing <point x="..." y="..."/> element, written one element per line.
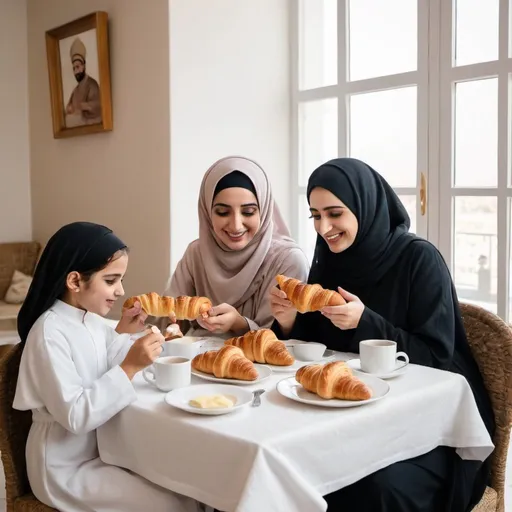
<point x="15" y="208"/>
<point x="229" y="95"/>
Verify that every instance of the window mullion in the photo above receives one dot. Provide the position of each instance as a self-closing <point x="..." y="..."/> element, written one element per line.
<point x="343" y="112"/>
<point x="503" y="163"/>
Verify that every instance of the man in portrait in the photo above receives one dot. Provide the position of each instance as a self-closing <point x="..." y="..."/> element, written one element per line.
<point x="84" y="104"/>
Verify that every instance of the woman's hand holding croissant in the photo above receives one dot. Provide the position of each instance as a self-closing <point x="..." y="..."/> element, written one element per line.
<point x="224" y="318"/>
<point x="143" y="352"/>
<point x="282" y="309"/>
<point x="346" y="316"/>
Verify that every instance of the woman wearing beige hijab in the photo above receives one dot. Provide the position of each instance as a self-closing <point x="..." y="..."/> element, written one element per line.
<point x="243" y="245"/>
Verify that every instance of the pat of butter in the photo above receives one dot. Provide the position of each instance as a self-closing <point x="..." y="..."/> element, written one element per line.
<point x="211" y="402"/>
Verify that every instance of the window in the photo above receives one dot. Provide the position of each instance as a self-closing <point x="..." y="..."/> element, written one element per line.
<point x="405" y="86"/>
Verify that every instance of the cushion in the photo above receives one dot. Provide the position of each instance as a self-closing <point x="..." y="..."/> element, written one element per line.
<point x="20" y="256"/>
<point x="9" y="311"/>
<point x="18" y="289"/>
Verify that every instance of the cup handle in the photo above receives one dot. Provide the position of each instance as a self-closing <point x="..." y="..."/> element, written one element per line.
<point x="405" y="356"/>
<point x="149" y="371"/>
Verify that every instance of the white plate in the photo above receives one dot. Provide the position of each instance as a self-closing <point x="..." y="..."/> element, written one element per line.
<point x="264" y="372"/>
<point x="400" y="369"/>
<point x="329" y="355"/>
<point x="290" y="388"/>
<point x="181" y="397"/>
<point x="288" y="369"/>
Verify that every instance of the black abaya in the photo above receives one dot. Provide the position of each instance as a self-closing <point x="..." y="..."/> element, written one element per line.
<point x="409" y="297"/>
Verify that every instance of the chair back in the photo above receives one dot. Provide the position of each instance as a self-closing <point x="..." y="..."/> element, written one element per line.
<point x="14" y="428"/>
<point x="490" y="339"/>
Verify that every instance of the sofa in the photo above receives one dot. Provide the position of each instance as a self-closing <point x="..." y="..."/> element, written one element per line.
<point x="21" y="256"/>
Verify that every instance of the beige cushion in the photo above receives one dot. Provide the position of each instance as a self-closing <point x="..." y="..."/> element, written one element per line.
<point x="18" y="289"/>
<point x="9" y="311"/>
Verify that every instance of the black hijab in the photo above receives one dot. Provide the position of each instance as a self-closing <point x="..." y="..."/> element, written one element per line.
<point x="82" y="247"/>
<point x="383" y="231"/>
<point x="235" y="179"/>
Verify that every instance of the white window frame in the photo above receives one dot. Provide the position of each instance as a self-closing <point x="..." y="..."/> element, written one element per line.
<point x="434" y="80"/>
<point x="448" y="76"/>
<point x="344" y="89"/>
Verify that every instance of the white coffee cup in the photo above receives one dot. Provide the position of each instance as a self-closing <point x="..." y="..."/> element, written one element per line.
<point x="188" y="346"/>
<point x="168" y="373"/>
<point x="380" y="356"/>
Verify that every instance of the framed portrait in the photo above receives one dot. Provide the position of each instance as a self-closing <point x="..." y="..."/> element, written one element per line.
<point x="79" y="72"/>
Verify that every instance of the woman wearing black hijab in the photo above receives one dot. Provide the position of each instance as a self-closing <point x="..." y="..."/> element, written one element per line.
<point x="75" y="374"/>
<point x="397" y="287"/>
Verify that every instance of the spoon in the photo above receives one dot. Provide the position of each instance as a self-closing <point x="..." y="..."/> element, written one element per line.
<point x="256" y="402"/>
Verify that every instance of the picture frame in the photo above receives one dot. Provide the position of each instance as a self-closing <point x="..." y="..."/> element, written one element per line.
<point x="79" y="74"/>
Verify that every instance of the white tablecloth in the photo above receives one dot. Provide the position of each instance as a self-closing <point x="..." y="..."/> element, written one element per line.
<point x="283" y="455"/>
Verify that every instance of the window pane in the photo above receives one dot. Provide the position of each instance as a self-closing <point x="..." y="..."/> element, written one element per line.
<point x="318" y="135"/>
<point x="475" y="250"/>
<point x="383" y="133"/>
<point x="307" y="233"/>
<point x="410" y="205"/>
<point x="476" y="133"/>
<point x="476" y="31"/>
<point x="383" y="37"/>
<point x="318" y="44"/>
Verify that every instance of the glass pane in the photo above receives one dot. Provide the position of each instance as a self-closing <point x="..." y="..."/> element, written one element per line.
<point x="476" y="133"/>
<point x="307" y="233"/>
<point x="318" y="43"/>
<point x="476" y="31"/>
<point x="410" y="205"/>
<point x="383" y="37"/>
<point x="318" y="135"/>
<point x="475" y="250"/>
<point x="383" y="133"/>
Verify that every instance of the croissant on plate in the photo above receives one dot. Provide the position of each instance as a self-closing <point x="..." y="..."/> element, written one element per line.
<point x="185" y="308"/>
<point x="332" y="380"/>
<point x="308" y="297"/>
<point x="262" y="346"/>
<point x="227" y="363"/>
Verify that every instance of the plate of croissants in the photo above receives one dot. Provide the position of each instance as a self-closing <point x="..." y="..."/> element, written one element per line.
<point x="262" y="346"/>
<point x="228" y="364"/>
<point x="332" y="385"/>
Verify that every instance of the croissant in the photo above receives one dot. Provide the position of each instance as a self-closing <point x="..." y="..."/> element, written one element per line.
<point x="332" y="380"/>
<point x="185" y="308"/>
<point x="308" y="297"/>
<point x="227" y="363"/>
<point x="262" y="346"/>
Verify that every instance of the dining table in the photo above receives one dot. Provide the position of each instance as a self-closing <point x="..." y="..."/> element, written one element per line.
<point x="285" y="455"/>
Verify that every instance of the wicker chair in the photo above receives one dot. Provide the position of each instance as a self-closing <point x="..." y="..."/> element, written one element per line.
<point x="14" y="427"/>
<point x="490" y="339"/>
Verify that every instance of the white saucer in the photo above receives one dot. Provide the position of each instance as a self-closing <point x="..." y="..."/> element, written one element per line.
<point x="264" y="372"/>
<point x="400" y="369"/>
<point x="291" y="389"/>
<point x="181" y="397"/>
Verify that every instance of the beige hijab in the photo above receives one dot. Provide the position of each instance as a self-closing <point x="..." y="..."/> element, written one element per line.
<point x="229" y="276"/>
